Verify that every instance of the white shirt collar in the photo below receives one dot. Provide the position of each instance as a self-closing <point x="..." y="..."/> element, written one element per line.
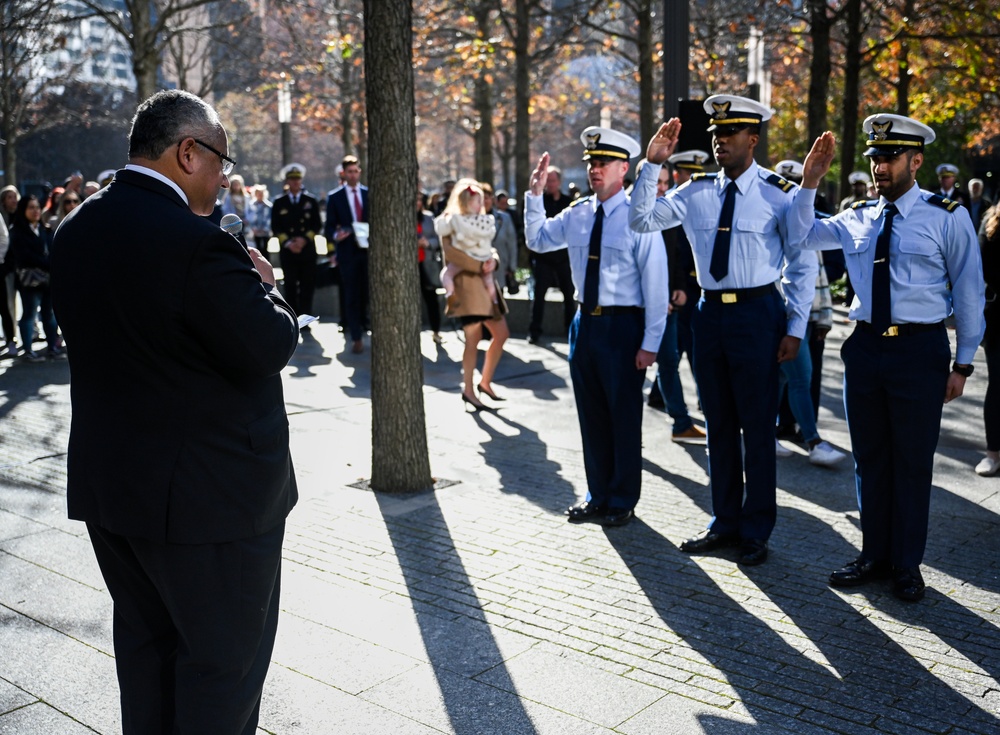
<point x="159" y="177"/>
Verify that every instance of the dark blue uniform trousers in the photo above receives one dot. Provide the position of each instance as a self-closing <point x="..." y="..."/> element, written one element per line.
<point x="608" y="391"/>
<point x="894" y="392"/>
<point x="194" y="627"/>
<point x="736" y="364"/>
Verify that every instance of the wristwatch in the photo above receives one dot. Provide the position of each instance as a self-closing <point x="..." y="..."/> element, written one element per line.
<point x="964" y="370"/>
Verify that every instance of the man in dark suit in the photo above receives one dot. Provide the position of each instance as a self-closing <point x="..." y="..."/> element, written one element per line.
<point x="346" y="207"/>
<point x="178" y="450"/>
<point x="295" y="221"/>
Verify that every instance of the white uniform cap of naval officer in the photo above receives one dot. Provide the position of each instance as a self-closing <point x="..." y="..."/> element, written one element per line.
<point x="293" y="171"/>
<point x="858" y="177"/>
<point x="608" y="144"/>
<point x="693" y="160"/>
<point x="890" y="135"/>
<point x="729" y="112"/>
<point x="789" y="169"/>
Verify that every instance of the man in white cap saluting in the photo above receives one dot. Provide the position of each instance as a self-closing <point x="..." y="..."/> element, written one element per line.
<point x="914" y="261"/>
<point x="736" y="221"/>
<point x="295" y="221"/>
<point x="621" y="284"/>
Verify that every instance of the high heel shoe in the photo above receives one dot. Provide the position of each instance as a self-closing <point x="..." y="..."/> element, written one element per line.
<point x="489" y="392"/>
<point x="476" y="406"/>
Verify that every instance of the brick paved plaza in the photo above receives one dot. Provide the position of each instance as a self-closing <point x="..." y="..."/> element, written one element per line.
<point x="477" y="609"/>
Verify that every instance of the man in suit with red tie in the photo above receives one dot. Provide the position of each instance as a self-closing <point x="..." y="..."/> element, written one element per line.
<point x="345" y="207"/>
<point x="295" y="221"/>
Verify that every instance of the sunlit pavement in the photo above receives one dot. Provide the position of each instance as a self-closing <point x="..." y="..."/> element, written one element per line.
<point x="477" y="609"/>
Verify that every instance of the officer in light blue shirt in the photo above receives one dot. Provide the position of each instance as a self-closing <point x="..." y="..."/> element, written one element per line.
<point x="738" y="224"/>
<point x="621" y="283"/>
<point x="914" y="260"/>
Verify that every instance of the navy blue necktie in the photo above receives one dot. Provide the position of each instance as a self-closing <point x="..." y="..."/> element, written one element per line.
<point x="592" y="278"/>
<point x="719" y="267"/>
<point x="881" y="306"/>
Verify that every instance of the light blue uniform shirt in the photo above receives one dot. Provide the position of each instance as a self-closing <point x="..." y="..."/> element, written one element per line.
<point x="930" y="248"/>
<point x="760" y="241"/>
<point x="633" y="266"/>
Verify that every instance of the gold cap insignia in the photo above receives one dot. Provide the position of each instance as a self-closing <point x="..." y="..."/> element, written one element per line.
<point x="880" y="131"/>
<point x="592" y="140"/>
<point x="721" y="109"/>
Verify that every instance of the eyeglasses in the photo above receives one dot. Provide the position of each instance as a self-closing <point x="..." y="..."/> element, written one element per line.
<point x="228" y="164"/>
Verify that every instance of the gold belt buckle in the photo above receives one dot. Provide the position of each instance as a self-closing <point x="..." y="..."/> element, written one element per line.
<point x="892" y="331"/>
<point x="728" y="298"/>
<point x="596" y="311"/>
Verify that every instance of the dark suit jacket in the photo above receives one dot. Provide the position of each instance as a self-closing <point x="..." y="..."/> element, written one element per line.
<point x="179" y="432"/>
<point x="338" y="214"/>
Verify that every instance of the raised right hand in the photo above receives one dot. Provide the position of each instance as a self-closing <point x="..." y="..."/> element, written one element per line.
<point x="818" y="161"/>
<point x="663" y="144"/>
<point x="537" y="181"/>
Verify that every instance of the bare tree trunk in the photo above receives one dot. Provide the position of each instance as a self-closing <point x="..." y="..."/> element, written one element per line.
<point x="483" y="101"/>
<point x="145" y="57"/>
<point x="819" y="68"/>
<point x="903" y="85"/>
<point x="644" y="49"/>
<point x="522" y="100"/>
<point x="399" y="436"/>
<point x="852" y="79"/>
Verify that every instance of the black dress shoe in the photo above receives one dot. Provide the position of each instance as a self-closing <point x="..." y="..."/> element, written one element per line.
<point x="617" y="517"/>
<point x="753" y="552"/>
<point x="585" y="511"/>
<point x="709" y="540"/>
<point x="859" y="571"/>
<point x="908" y="584"/>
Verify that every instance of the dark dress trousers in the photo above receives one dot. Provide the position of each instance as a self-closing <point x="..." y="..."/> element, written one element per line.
<point x="178" y="450"/>
<point x="351" y="258"/>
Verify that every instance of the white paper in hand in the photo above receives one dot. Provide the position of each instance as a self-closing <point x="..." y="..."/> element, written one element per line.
<point x="306" y="319"/>
<point x="361" y="234"/>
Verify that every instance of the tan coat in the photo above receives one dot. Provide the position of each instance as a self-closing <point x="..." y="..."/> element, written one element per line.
<point x="471" y="297"/>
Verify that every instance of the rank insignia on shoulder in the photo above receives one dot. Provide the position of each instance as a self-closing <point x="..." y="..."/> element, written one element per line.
<point x="581" y="200"/>
<point x="706" y="176"/>
<point x="784" y="184"/>
<point x="864" y="203"/>
<point x="944" y="202"/>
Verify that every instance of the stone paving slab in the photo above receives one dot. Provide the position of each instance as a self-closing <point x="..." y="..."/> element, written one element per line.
<point x="478" y="609"/>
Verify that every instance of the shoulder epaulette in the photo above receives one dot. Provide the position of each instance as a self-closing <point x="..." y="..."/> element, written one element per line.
<point x="944" y="202"/>
<point x="581" y="200"/>
<point x="864" y="203"/>
<point x="784" y="184"/>
<point x="703" y="175"/>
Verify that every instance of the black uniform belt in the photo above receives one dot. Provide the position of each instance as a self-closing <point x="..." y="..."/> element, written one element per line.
<point x="736" y="295"/>
<point x="900" y="330"/>
<point x="612" y="310"/>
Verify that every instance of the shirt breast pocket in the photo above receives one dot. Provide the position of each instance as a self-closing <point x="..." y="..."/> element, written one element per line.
<point x="753" y="233"/>
<point x="616" y="253"/>
<point x="704" y="230"/>
<point x="920" y="259"/>
<point x="856" y="256"/>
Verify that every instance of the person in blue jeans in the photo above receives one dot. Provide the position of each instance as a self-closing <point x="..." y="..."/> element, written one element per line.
<point x="668" y="379"/>
<point x="796" y="374"/>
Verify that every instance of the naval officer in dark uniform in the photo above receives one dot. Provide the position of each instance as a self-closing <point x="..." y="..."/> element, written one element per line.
<point x="295" y="221"/>
<point x="621" y="284"/>
<point x="737" y="223"/>
<point x="914" y="261"/>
